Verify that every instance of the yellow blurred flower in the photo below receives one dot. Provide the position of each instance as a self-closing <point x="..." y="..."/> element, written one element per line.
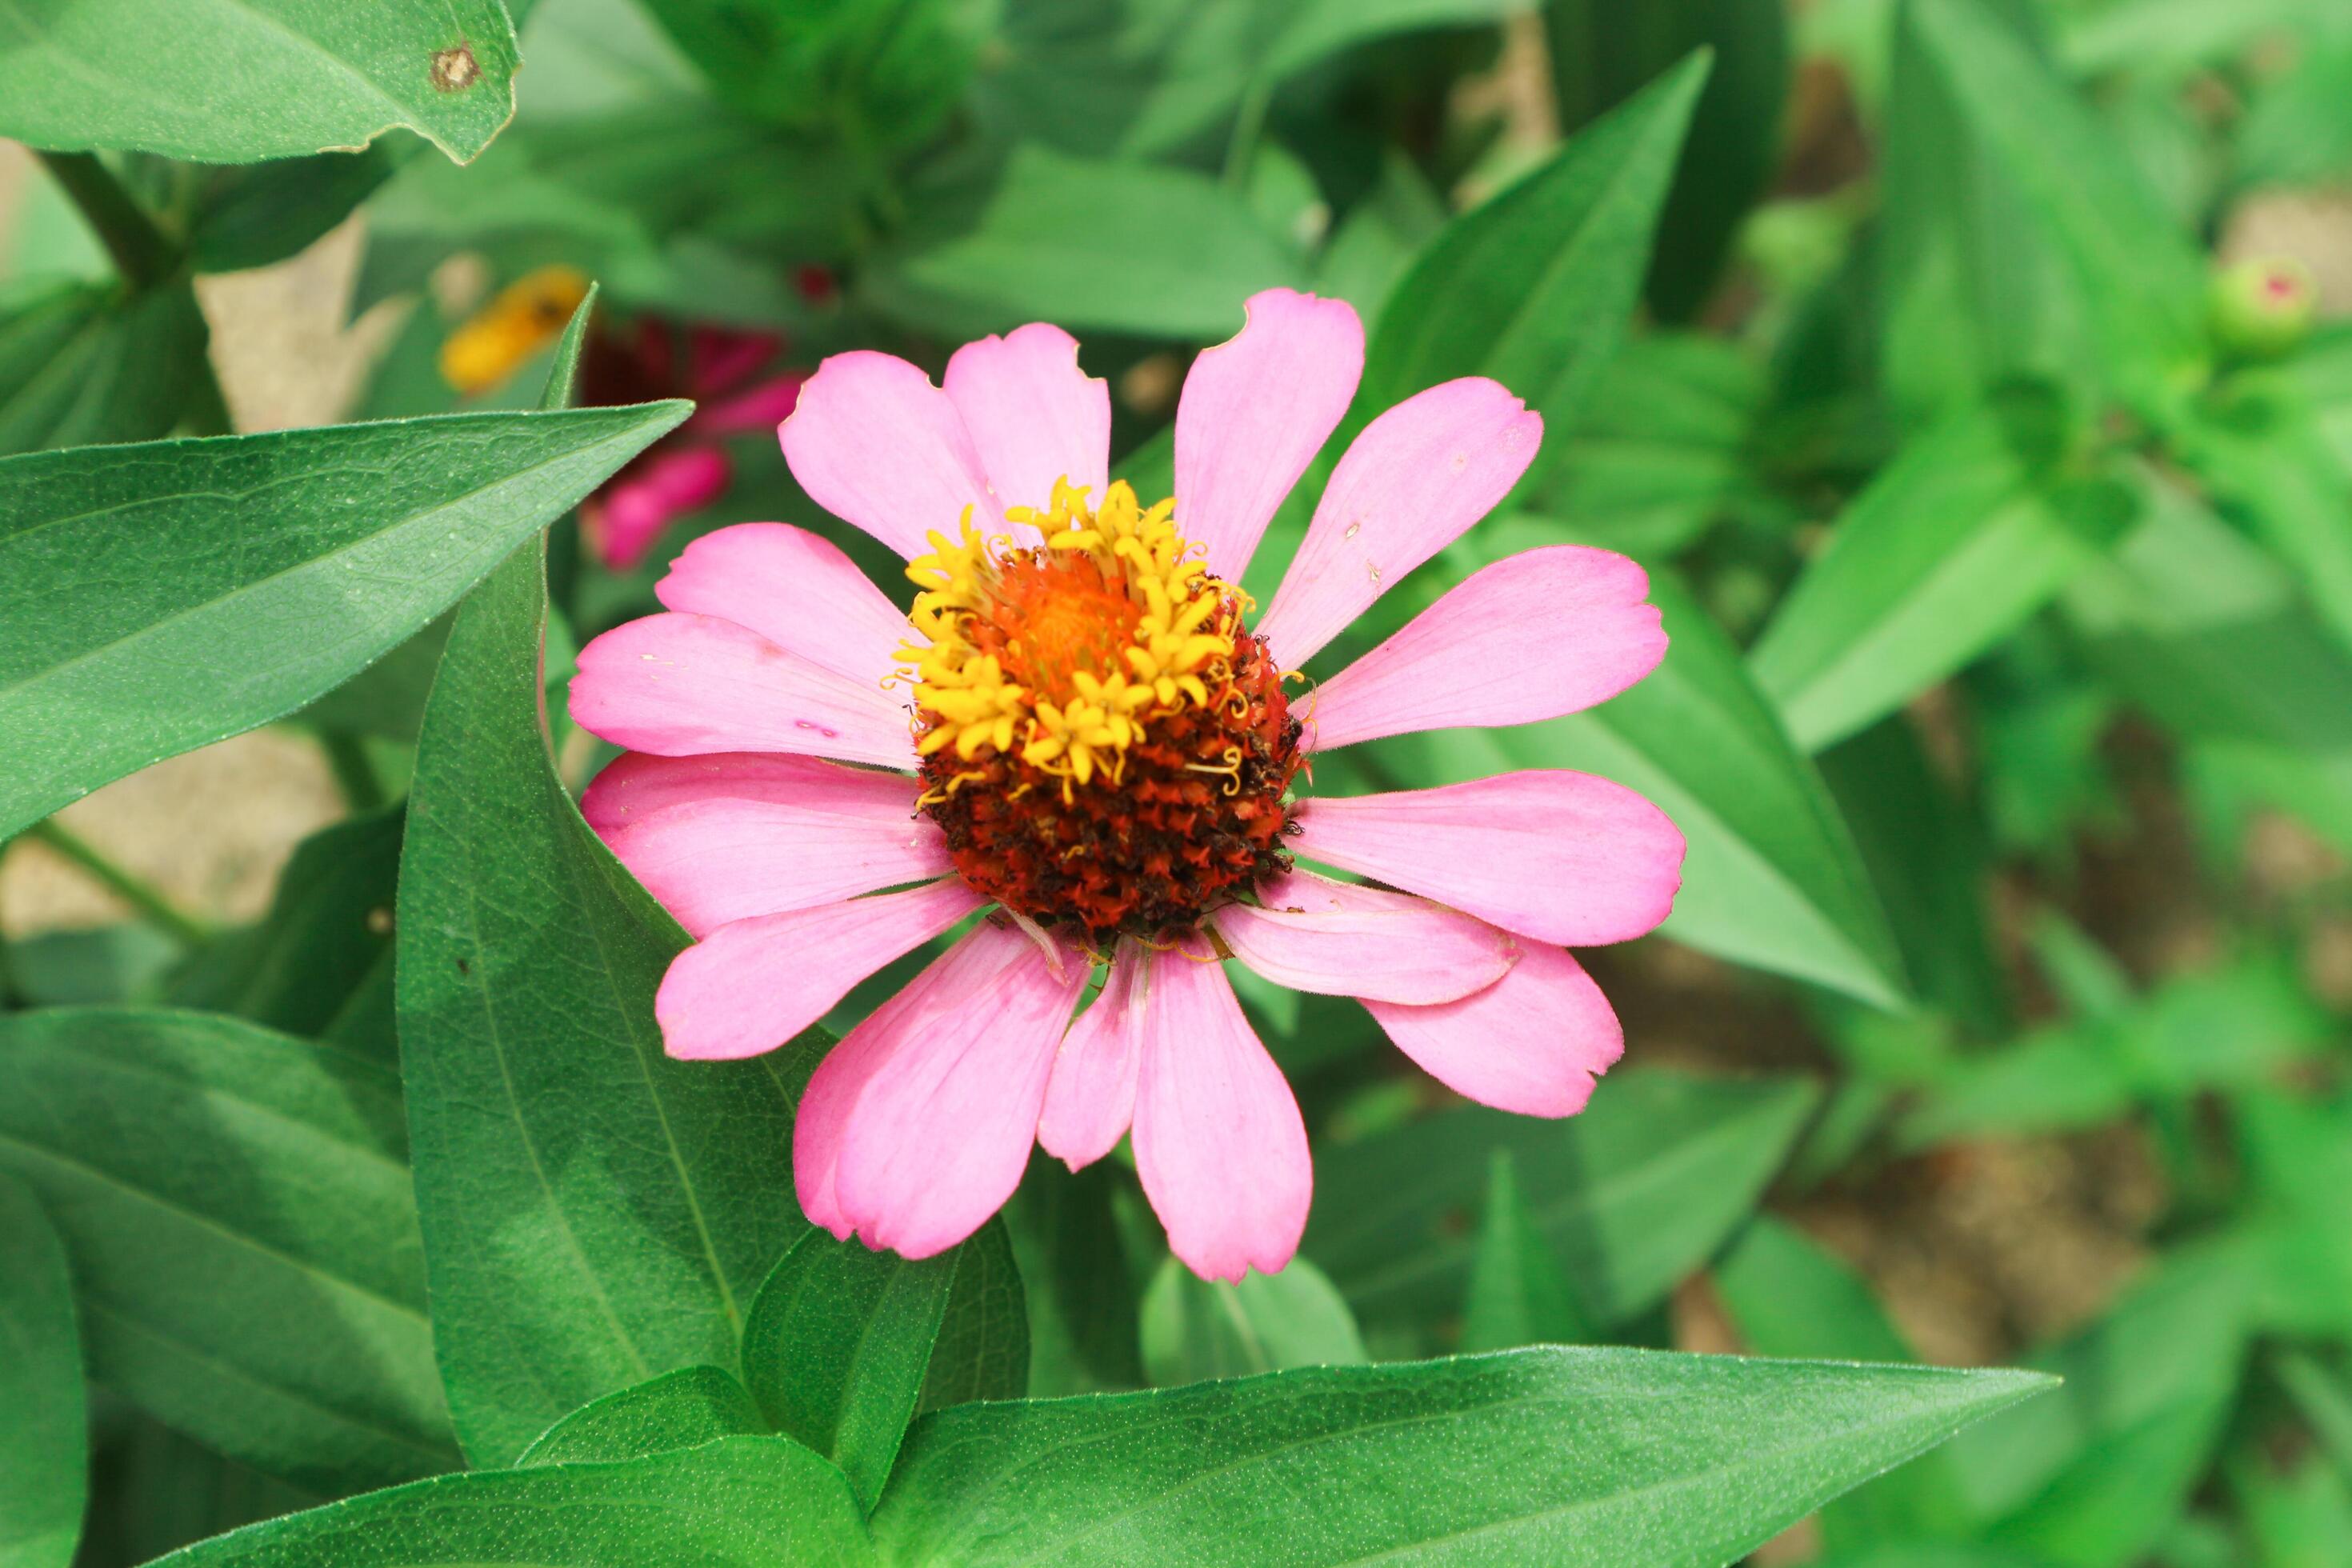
<point x="521" y="318"/>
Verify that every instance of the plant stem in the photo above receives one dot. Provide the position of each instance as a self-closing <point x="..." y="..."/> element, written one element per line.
<point x="1249" y="124"/>
<point x="355" y="776"/>
<point x="143" y="255"/>
<point x="152" y="906"/>
<point x="141" y="252"/>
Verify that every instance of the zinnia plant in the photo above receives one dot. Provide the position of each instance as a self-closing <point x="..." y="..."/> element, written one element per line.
<point x="1081" y="730"/>
<point x="1641" y="760"/>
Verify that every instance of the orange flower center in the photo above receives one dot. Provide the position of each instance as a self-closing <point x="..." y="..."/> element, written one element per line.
<point x="1105" y="746"/>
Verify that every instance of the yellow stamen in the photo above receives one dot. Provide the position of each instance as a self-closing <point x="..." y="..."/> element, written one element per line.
<point x="1075" y="647"/>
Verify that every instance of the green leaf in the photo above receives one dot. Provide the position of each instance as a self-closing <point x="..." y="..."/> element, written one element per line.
<point x="330" y="923"/>
<point x="2136" y="280"/>
<point x="233" y="81"/>
<point x="1772" y="878"/>
<point x="1317" y="29"/>
<point x="1968" y="532"/>
<point x="1195" y="1329"/>
<point x="1056" y="241"/>
<point x="2324" y="1397"/>
<point x="983" y="1349"/>
<point x="1926" y="858"/>
<point x="2169" y="39"/>
<point x="239" y="1218"/>
<point x="1518" y="1296"/>
<point x="1376" y="242"/>
<point x="1534" y="288"/>
<point x="45" y="1441"/>
<point x="2092" y="1476"/>
<point x="1788" y="1296"/>
<point x="1601" y="55"/>
<point x="2297" y="1157"/>
<point x="2293" y="132"/>
<point x="158" y="598"/>
<point x="264" y="215"/>
<point x="82" y="366"/>
<point x="1580" y="1456"/>
<point x="1932" y="1554"/>
<point x="1082" y="1298"/>
<point x="593" y="1211"/>
<point x="367" y="1022"/>
<point x="564" y="366"/>
<point x="881" y="74"/>
<point x="2264" y="461"/>
<point x="1791" y="1297"/>
<point x="681" y="1409"/>
<point x="1148" y="79"/>
<point x="152" y="1490"/>
<point x="837" y="1347"/>
<point x="387" y="700"/>
<point x="740" y="1502"/>
<point x="2209" y="633"/>
<point x="1631" y="1195"/>
<point x="661" y="200"/>
<point x="2202" y="630"/>
<point x="96" y="964"/>
<point x="2298" y="1510"/>
<point x="1974" y="293"/>
<point x="2236" y="1027"/>
<point x="1664" y="448"/>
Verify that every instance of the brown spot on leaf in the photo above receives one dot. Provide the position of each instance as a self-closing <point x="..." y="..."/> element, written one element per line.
<point x="455" y="69"/>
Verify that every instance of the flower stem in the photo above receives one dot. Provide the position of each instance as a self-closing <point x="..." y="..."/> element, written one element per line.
<point x="141" y="895"/>
<point x="1249" y="124"/>
<point x="355" y="775"/>
<point x="141" y="252"/>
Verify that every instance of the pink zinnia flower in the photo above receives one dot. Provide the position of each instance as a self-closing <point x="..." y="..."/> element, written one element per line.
<point x="1078" y="727"/>
<point x="687" y="470"/>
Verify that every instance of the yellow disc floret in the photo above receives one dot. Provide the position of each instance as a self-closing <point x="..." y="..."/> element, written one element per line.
<point x="1062" y="653"/>
<point x="1105" y="747"/>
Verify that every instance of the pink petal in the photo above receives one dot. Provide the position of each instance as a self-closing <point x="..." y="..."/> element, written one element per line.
<point x="638" y="784"/>
<point x="939" y="1130"/>
<point x="1531" y="1043"/>
<point x="795" y="588"/>
<point x="822" y="1124"/>
<point x="1336" y="939"/>
<point x="1091" y="1097"/>
<point x="761" y="407"/>
<point x="1218" y="1140"/>
<point x="682" y="684"/>
<point x="1556" y="856"/>
<point x="1543" y="633"/>
<point x="1254" y="411"/>
<point x="627" y="515"/>
<point x="874" y="442"/>
<point x="1033" y="414"/>
<point x="1417" y="477"/>
<point x="719" y="861"/>
<point x="751" y="985"/>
